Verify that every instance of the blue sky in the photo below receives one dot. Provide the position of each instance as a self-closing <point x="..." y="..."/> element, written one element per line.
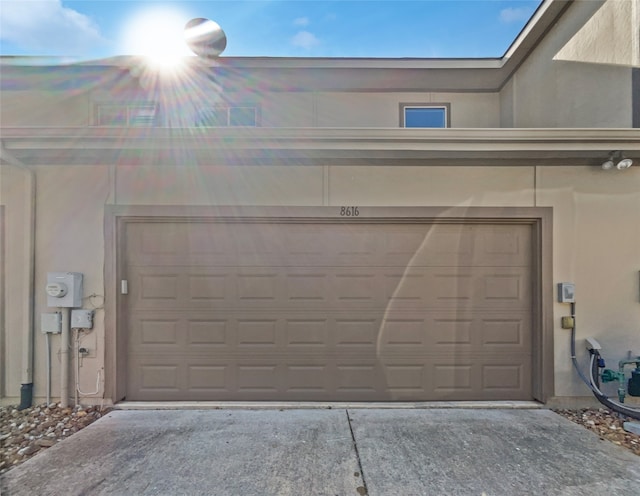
<point x="273" y="28"/>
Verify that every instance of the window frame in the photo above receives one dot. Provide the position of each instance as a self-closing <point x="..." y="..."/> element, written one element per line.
<point x="129" y="116"/>
<point x="228" y="109"/>
<point x="443" y="105"/>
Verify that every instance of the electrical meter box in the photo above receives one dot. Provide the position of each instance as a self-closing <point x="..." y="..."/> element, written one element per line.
<point x="566" y="292"/>
<point x="64" y="289"/>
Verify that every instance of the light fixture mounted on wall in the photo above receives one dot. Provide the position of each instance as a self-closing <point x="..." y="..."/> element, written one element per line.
<point x="617" y="160"/>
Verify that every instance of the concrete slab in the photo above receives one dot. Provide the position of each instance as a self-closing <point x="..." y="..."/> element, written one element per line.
<point x="492" y="452"/>
<point x="312" y="452"/>
<point x="197" y="453"/>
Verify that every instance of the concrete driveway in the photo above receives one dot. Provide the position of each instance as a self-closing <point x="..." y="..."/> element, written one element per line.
<point x="329" y="452"/>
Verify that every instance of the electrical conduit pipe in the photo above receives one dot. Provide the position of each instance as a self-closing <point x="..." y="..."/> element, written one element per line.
<point x="65" y="341"/>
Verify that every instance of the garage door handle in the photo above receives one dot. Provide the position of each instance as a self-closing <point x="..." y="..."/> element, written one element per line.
<point x="124" y="287"/>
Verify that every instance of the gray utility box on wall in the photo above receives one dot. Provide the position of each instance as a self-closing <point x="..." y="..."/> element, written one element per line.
<point x="64" y="289"/>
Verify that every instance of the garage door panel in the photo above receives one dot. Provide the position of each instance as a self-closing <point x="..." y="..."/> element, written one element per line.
<point x="502" y="377"/>
<point x="152" y="331"/>
<point x="208" y="332"/>
<point x="470" y="331"/>
<point x="481" y="287"/>
<point x="343" y="332"/>
<point x="307" y="287"/>
<point x="205" y="289"/>
<point x="206" y="378"/>
<point x="332" y="312"/>
<point x="292" y="288"/>
<point x="333" y="379"/>
<point x="328" y="245"/>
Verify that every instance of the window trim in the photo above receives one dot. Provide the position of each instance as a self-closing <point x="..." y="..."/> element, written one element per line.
<point x="128" y="108"/>
<point x="444" y="105"/>
<point x="228" y="108"/>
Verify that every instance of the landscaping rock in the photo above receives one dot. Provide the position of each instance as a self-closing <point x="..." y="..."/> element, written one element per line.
<point x="23" y="433"/>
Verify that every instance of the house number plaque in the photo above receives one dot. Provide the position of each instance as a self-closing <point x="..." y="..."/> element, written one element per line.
<point x="349" y="212"/>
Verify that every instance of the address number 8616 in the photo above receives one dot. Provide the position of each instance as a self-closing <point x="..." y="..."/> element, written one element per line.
<point x="349" y="212"/>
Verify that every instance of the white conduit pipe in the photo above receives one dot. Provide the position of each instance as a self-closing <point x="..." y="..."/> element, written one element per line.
<point x="76" y="351"/>
<point x="48" y="368"/>
<point x="64" y="358"/>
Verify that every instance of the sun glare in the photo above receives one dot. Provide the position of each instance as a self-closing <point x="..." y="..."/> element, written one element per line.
<point x="157" y="35"/>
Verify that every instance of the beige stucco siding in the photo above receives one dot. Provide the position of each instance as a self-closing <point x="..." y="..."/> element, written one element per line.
<point x="431" y="186"/>
<point x="222" y="185"/>
<point x="44" y="108"/>
<point x="611" y="36"/>
<point x="554" y="93"/>
<point x="383" y="109"/>
<point x="13" y="192"/>
<point x="330" y="185"/>
<point x="69" y="237"/>
<point x="507" y="98"/>
<point x="276" y="109"/>
<point x="596" y="233"/>
<point x="287" y="109"/>
<point x="597" y="246"/>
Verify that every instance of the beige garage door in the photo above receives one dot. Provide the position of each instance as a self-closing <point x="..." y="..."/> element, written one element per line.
<point x="328" y="311"/>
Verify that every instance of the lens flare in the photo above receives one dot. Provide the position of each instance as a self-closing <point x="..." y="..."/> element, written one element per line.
<point x="157" y="34"/>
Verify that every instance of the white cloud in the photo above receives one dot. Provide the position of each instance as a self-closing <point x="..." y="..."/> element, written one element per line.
<point x="515" y="14"/>
<point x="305" y="39"/>
<point x="47" y="27"/>
<point x="301" y="21"/>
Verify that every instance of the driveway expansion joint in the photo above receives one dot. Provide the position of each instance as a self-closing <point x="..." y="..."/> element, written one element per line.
<point x="363" y="491"/>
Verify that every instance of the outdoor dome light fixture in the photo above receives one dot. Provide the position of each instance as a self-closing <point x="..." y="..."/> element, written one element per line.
<point x="617" y="160"/>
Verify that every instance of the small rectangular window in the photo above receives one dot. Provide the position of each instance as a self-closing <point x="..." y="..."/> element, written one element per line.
<point x="242" y="116"/>
<point x="228" y="116"/>
<point x="112" y="115"/>
<point x="126" y="115"/>
<point x="213" y="117"/>
<point x="424" y="115"/>
<point x="144" y="116"/>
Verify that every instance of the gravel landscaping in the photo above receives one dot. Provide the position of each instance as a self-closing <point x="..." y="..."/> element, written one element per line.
<point x="25" y="433"/>
<point x="606" y="424"/>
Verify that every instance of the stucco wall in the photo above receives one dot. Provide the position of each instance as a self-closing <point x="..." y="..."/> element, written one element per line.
<point x="596" y="233"/>
<point x="69" y="237"/>
<point x="44" y="108"/>
<point x="597" y="246"/>
<point x="277" y="109"/>
<point x="13" y="192"/>
<point x="555" y="93"/>
<point x="382" y="109"/>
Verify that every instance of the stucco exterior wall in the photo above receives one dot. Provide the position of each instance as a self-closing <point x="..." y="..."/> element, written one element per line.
<point x="383" y="109"/>
<point x="44" y="108"/>
<point x="596" y="240"/>
<point x="276" y="109"/>
<point x="13" y="192"/>
<point x="69" y="237"/>
<point x="596" y="234"/>
<point x="597" y="246"/>
<point x="555" y="93"/>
